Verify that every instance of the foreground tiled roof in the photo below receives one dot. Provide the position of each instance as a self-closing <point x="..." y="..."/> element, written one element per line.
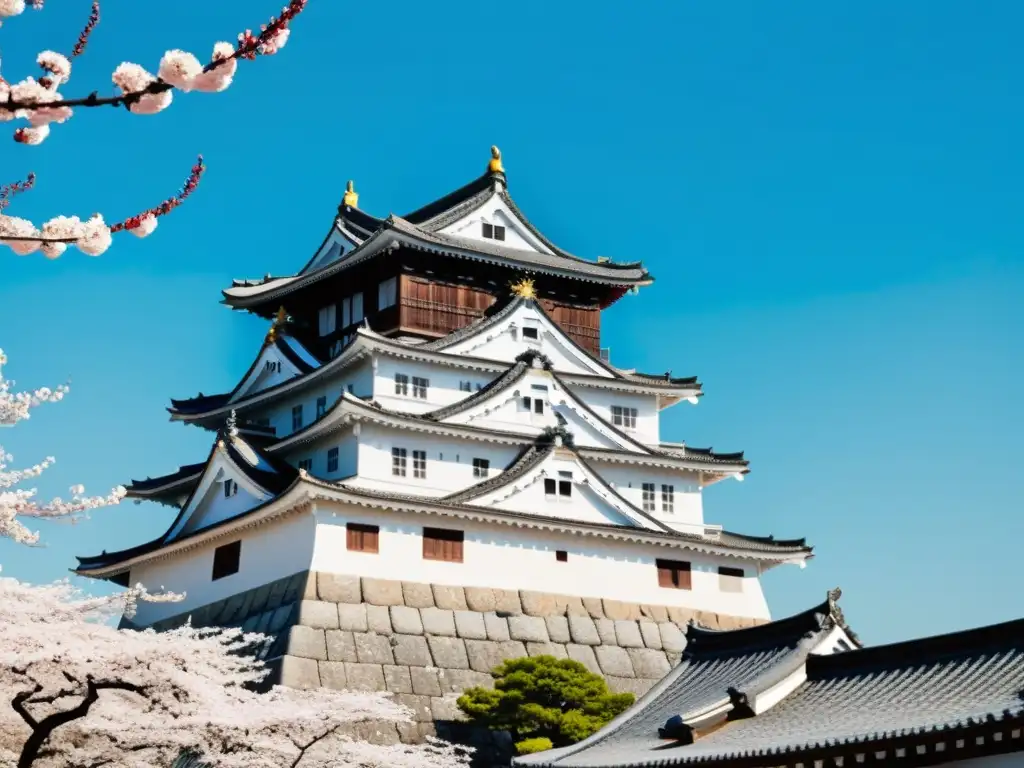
<point x="898" y="702"/>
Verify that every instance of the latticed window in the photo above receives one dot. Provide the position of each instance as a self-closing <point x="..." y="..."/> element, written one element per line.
<point x="419" y="387"/>
<point x="648" y="489"/>
<point x="399" y="460"/>
<point x="401" y="384"/>
<point x="296" y="417"/>
<point x="624" y="417"/>
<point x="668" y="498"/>
<point x="419" y="464"/>
<point x="492" y="231"/>
<point x="481" y="467"/>
<point x="321" y="406"/>
<point x="332" y="459"/>
<point x="362" y="538"/>
<point x="674" y="574"/>
<point x="442" y="544"/>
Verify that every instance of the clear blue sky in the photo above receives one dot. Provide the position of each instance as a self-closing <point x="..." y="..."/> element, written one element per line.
<point x="828" y="195"/>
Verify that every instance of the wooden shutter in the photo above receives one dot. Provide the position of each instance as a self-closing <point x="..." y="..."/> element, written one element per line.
<point x="362" y="538"/>
<point x="674" y="574"/>
<point x="442" y="544"/>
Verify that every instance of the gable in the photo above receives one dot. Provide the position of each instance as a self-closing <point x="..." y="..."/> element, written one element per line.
<point x="506" y="340"/>
<point x="271" y="368"/>
<point x="496" y="213"/>
<point x="333" y="248"/>
<point x="588" y="499"/>
<point x="210" y="504"/>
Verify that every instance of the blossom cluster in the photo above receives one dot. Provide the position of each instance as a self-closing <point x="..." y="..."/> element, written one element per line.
<point x="21" y="503"/>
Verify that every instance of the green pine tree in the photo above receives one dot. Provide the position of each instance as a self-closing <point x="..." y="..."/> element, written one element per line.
<point x="544" y="702"/>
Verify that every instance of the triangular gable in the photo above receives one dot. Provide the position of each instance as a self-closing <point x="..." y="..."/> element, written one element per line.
<point x="339" y="241"/>
<point x="556" y="482"/>
<point x="278" y="362"/>
<point x="237" y="478"/>
<point x="526" y="327"/>
<point x="511" y="406"/>
<point x="495" y="212"/>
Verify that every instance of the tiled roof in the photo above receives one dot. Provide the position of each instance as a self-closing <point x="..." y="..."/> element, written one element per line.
<point x="185" y="472"/>
<point x="858" y="701"/>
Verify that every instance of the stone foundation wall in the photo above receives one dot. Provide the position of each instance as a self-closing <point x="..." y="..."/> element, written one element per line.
<point x="427" y="643"/>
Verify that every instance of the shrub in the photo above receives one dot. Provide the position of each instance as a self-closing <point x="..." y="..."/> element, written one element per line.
<point x="544" y="702"/>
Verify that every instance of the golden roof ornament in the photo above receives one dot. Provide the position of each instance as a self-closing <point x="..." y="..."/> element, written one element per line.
<point x="351" y="198"/>
<point x="524" y="289"/>
<point x="495" y="165"/>
<point x="279" y="320"/>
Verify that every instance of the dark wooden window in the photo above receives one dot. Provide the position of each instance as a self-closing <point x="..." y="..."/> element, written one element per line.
<point x="561" y="556"/>
<point x="550" y="486"/>
<point x="529" y="332"/>
<point x="565" y="487"/>
<point x="674" y="574"/>
<point x="648" y="498"/>
<point x="668" y="498"/>
<point x="321" y="406"/>
<point x="296" y="417"/>
<point x="399" y="458"/>
<point x="226" y="559"/>
<point x="362" y="538"/>
<point x="442" y="544"/>
<point x="499" y="232"/>
<point x="332" y="459"/>
<point x="538" y="405"/>
<point x="419" y="387"/>
<point x="419" y="464"/>
<point x="230" y="488"/>
<point x="487" y="230"/>
<point x="481" y="467"/>
<point x="465" y="386"/>
<point x="306" y="464"/>
<point x="401" y="384"/>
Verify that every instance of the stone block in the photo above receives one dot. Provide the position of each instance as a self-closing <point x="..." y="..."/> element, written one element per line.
<point x="450" y="598"/>
<point x="573" y="606"/>
<point x="365" y="677"/>
<point x="481" y="599"/>
<point x="558" y="629"/>
<point x="672" y="638"/>
<point x="281" y="618"/>
<point x="382" y="592"/>
<point x="654" y="612"/>
<point x="444" y="708"/>
<point x="398" y="679"/>
<point x="584" y="654"/>
<point x="673" y="658"/>
<point x="438" y="621"/>
<point x="651" y="635"/>
<point x="506" y="601"/>
<point x="606" y="631"/>
<point x="637" y="686"/>
<point x="614" y="661"/>
<point x="727" y="622"/>
<point x="528" y="629"/>
<point x="425" y="681"/>
<point x="583" y="630"/>
<point x="307" y="643"/>
<point x="485" y="655"/>
<point x="294" y="672"/>
<point x="405" y="620"/>
<point x="378" y="619"/>
<point x="448" y="652"/>
<point x="627" y="634"/>
<point x="411" y="651"/>
<point x="379" y="732"/>
<point x="458" y="680"/>
<point x="496" y="626"/>
<point x="409" y="733"/>
<point x="372" y="648"/>
<point x="547" y="649"/>
<point x="309" y="586"/>
<point x="470" y="625"/>
<point x="332" y="675"/>
<point x="426" y="730"/>
<point x="620" y="611"/>
<point x="707" y="619"/>
<point x="681" y="616"/>
<point x="417" y="595"/>
<point x="336" y="588"/>
<point x="316" y="613"/>
<point x="594" y="607"/>
<point x="420" y="706"/>
<point x="538" y="603"/>
<point x="341" y="646"/>
<point x="352" y="617"/>
<point x="649" y="663"/>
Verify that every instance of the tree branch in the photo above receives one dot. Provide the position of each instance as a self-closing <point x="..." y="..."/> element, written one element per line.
<point x="18" y="705"/>
<point x="316" y="740"/>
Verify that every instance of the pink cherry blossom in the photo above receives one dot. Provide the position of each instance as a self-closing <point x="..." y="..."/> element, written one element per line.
<point x="131" y="78"/>
<point x="146" y="226"/>
<point x="32" y="136"/>
<point x="12" y="226"/>
<point x="276" y="42"/>
<point x="179" y="68"/>
<point x="10" y="8"/>
<point x="220" y="77"/>
<point x="59" y="228"/>
<point x="56" y="64"/>
<point x="95" y="237"/>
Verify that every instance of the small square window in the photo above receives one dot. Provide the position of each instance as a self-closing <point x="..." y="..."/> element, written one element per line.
<point x="550" y="486"/>
<point x="419" y="464"/>
<point x="481" y="467"/>
<point x="332" y="459"/>
<point x="561" y="556"/>
<point x="499" y="232"/>
<point x="399" y="460"/>
<point x="230" y="488"/>
<point x="487" y="230"/>
<point x="401" y="384"/>
<point x="362" y="538"/>
<point x="565" y="487"/>
<point x="321" y="406"/>
<point x="529" y="332"/>
<point x="624" y="417"/>
<point x="538" y="406"/>
<point x="674" y="574"/>
<point x="465" y="386"/>
<point x="306" y="464"/>
<point x="296" y="417"/>
<point x="226" y="559"/>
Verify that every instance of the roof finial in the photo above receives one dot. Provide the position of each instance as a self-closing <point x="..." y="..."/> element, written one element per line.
<point x="279" y="320"/>
<point x="524" y="289"/>
<point x="351" y="198"/>
<point x="495" y="165"/>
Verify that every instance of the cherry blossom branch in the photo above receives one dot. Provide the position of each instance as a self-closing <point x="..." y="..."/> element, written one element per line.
<point x="83" y="38"/>
<point x="92" y="237"/>
<point x="8" y="191"/>
<point x="142" y="92"/>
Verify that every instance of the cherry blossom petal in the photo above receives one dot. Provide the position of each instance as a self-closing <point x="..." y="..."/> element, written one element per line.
<point x="179" y="68"/>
